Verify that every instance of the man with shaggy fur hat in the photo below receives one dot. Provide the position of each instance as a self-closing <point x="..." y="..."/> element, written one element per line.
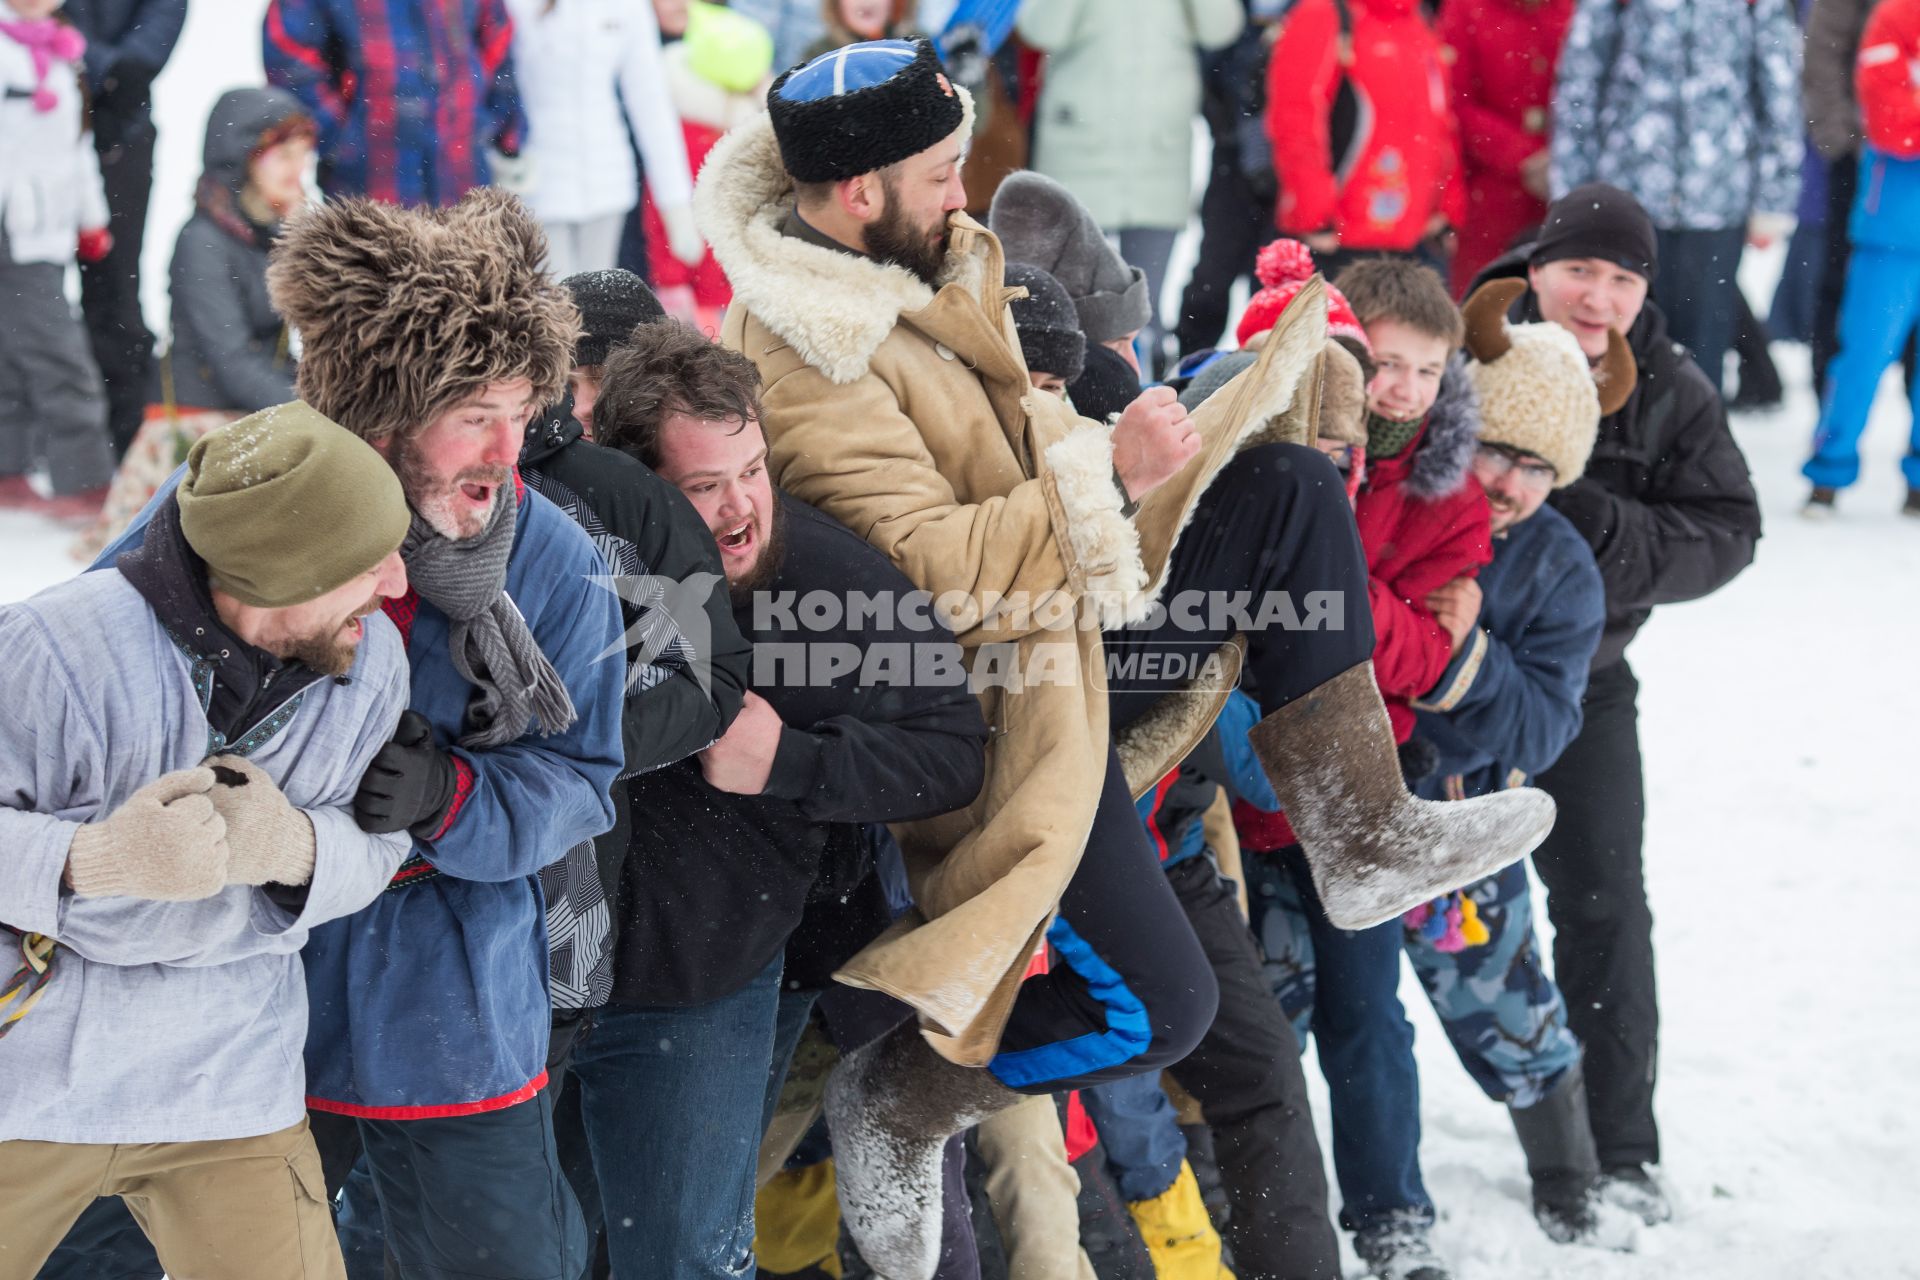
<point x="178" y="822"/>
<point x="1506" y="706"/>
<point x="434" y="335"/>
<point x="897" y="401"/>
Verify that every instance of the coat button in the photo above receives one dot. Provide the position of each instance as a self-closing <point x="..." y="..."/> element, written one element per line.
<point x="946" y="352"/>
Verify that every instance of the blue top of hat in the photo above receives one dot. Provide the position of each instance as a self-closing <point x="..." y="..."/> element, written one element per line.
<point x="848" y="69"/>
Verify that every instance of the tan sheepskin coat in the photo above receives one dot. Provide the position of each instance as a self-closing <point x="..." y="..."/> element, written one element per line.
<point x="906" y="413"/>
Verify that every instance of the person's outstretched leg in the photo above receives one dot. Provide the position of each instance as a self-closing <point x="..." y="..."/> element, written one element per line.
<point x="1272" y="552"/>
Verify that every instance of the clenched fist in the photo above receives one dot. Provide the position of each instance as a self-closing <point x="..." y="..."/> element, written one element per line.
<point x="166" y="844"/>
<point x="740" y="760"/>
<point x="1153" y="439"/>
<point x="1456" y="607"/>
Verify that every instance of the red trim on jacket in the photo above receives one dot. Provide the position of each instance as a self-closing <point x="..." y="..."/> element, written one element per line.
<point x="442" y="1112"/>
<point x="462" y="788"/>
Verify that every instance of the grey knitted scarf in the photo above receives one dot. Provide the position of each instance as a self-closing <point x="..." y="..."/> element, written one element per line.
<point x="492" y="648"/>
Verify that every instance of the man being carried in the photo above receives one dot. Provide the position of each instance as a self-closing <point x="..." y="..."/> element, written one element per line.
<point x="897" y="401"/>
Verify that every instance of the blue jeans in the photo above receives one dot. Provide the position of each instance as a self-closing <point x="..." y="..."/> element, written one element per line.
<point x="1878" y="313"/>
<point x="1501" y="1011"/>
<point x="673" y="1102"/>
<point x="1140" y="1131"/>
<point x="1344" y="988"/>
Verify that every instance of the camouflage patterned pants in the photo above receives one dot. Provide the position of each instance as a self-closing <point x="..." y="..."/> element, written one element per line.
<point x="1503" y="1014"/>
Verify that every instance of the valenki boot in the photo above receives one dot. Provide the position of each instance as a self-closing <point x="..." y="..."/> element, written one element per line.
<point x="1375" y="851"/>
<point x="891" y="1106"/>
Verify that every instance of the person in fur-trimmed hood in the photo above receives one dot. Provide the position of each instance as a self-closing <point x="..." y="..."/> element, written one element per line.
<point x="898" y="402"/>
<point x="435" y="335"/>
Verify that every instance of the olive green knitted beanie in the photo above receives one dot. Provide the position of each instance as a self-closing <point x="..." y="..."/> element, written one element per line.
<point x="285" y="506"/>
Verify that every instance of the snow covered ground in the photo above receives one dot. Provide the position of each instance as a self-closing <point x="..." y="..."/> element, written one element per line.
<point x="1777" y="720"/>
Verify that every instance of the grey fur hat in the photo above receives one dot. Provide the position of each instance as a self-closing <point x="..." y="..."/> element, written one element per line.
<point x="1050" y="336"/>
<point x="1039" y="222"/>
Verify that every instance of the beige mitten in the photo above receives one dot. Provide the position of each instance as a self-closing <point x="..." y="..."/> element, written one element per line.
<point x="166" y="843"/>
<point x="271" y="840"/>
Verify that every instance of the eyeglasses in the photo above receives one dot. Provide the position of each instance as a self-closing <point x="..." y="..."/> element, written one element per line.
<point x="1499" y="460"/>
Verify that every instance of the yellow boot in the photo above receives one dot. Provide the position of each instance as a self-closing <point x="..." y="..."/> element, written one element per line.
<point x="1179" y="1236"/>
<point x="797" y="1223"/>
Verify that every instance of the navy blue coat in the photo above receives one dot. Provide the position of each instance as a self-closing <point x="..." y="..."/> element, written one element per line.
<point x="1509" y="702"/>
<point x="127" y="40"/>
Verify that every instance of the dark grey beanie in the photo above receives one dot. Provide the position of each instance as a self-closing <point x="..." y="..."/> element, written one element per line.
<point x="612" y="303"/>
<point x="1050" y="336"/>
<point x="1039" y="221"/>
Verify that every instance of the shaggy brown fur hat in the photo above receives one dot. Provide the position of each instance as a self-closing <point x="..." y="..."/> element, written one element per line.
<point x="404" y="313"/>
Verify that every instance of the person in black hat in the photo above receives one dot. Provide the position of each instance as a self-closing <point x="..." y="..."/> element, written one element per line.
<point x="1671" y="515"/>
<point x="1050" y="339"/>
<point x="611" y="303"/>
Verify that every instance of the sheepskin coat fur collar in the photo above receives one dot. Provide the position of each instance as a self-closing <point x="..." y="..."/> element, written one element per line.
<point x="834" y="308"/>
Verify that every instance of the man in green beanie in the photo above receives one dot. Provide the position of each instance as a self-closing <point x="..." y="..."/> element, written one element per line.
<point x="185" y="737"/>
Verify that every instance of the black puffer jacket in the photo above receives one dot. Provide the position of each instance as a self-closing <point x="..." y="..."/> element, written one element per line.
<point x="229" y="347"/>
<point x="1666" y="502"/>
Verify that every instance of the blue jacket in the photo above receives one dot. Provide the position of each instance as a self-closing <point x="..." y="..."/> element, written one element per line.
<point x="1172" y="813"/>
<point x="433" y="1000"/>
<point x="408" y="94"/>
<point x="1886" y="209"/>
<point x="1509" y="702"/>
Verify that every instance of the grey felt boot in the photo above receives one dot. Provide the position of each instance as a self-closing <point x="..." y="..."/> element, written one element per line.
<point x="1375" y="851"/>
<point x="891" y="1106"/>
<point x="1558" y="1141"/>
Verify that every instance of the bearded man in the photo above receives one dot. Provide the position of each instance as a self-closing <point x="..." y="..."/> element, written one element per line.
<point x="897" y="402"/>
<point x="435" y="336"/>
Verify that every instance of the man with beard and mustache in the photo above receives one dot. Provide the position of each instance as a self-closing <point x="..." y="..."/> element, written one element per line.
<point x="434" y="336"/>
<point x="856" y="721"/>
<point x="897" y="402"/>
<point x="184" y="738"/>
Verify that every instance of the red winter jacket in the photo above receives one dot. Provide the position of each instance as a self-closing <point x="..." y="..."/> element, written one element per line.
<point x="1884" y="78"/>
<point x="1403" y="163"/>
<point x="1423" y="521"/>
<point x="1504" y="55"/>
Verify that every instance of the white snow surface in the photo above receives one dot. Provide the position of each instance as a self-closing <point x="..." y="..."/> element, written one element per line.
<point x="1777" y="722"/>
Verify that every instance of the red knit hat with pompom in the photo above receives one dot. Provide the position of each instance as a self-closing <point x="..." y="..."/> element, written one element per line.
<point x="1283" y="267"/>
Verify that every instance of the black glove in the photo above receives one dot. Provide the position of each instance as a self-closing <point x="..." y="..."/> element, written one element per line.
<point x="410" y="784"/>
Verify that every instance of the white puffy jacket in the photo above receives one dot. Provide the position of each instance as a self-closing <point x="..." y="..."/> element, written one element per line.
<point x="49" y="176"/>
<point x="569" y="59"/>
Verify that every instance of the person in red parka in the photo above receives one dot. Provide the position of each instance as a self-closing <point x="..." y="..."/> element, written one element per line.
<point x="1425" y="527"/>
<point x="1504" y="55"/>
<point x="1361" y="121"/>
<point x="1423" y="521"/>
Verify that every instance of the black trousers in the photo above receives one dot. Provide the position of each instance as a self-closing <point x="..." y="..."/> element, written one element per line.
<point x="1275" y="520"/>
<point x="123" y="134"/>
<point x="1246" y="1073"/>
<point x="1603" y="929"/>
<point x="1235" y="220"/>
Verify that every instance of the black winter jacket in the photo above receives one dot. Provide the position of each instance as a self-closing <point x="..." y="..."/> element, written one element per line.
<point x="680" y="697"/>
<point x="715" y="883"/>
<point x="1666" y="502"/>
